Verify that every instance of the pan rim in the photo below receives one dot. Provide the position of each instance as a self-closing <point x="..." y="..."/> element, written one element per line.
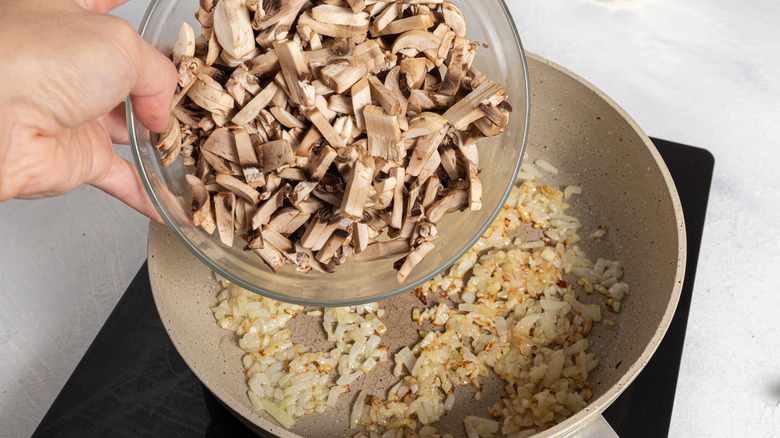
<point x="574" y="422"/>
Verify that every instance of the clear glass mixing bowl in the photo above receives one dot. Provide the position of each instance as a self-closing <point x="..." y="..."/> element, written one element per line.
<point x="503" y="60"/>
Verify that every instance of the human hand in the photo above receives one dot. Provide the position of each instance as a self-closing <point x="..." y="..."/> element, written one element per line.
<point x="68" y="66"/>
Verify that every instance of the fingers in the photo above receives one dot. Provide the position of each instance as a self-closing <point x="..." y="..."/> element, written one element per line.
<point x="122" y="182"/>
<point x="152" y="93"/>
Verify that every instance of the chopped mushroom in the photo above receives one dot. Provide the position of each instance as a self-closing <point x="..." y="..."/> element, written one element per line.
<point x="203" y="215"/>
<point x="315" y="126"/>
<point x="414" y="257"/>
<point x="384" y="135"/>
<point x="233" y="27"/>
<point x="185" y="44"/>
<point x="225" y="208"/>
<point x="382" y="250"/>
<point x="356" y="192"/>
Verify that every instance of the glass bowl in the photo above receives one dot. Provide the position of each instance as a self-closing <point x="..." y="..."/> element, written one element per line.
<point x="501" y="58"/>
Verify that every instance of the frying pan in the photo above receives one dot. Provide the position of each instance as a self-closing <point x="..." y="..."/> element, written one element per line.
<point x="626" y="185"/>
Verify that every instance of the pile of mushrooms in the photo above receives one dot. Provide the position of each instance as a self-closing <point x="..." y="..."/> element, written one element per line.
<point x="321" y="130"/>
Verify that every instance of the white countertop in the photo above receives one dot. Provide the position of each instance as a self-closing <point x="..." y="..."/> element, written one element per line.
<point x="700" y="72"/>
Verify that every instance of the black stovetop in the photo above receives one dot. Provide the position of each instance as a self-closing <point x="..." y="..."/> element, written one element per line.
<point x="131" y="381"/>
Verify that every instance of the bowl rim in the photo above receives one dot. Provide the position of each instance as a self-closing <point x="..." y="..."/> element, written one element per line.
<point x="401" y="288"/>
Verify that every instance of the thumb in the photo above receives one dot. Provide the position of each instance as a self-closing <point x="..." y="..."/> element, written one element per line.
<point x="154" y="87"/>
<point x="121" y="181"/>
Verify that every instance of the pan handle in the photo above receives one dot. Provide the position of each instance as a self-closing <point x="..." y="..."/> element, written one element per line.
<point x="595" y="426"/>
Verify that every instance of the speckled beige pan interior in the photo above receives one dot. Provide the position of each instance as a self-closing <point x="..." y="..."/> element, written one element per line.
<point x="625" y="186"/>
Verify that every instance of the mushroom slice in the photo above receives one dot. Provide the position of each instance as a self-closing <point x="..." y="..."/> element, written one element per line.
<point x="386" y="97"/>
<point x="170" y="137"/>
<point x="341" y="77"/>
<point x="266" y="63"/>
<point x="449" y="161"/>
<point x="225" y="207"/>
<point x="307" y="143"/>
<point x="415" y="22"/>
<point x="221" y="142"/>
<point x="431" y="191"/>
<point x="393" y="85"/>
<point x="467" y="146"/>
<point x="426" y="231"/>
<point x="189" y="69"/>
<point x="263" y="214"/>
<point x="391" y="12"/>
<point x="414" y="257"/>
<point x="415" y="41"/>
<point x="286" y="119"/>
<point x="320" y="164"/>
<point x="213" y="49"/>
<point x="361" y="96"/>
<point x="361" y="236"/>
<point x="202" y="214"/>
<point x="304" y="259"/>
<point x="458" y="65"/>
<point x="239" y="188"/>
<point x="274" y="154"/>
<point x="358" y="33"/>
<point x="430" y="166"/>
<point x="382" y="250"/>
<point x="334" y="242"/>
<point x="325" y="128"/>
<point x="247" y="158"/>
<point x="237" y="91"/>
<point x="248" y="81"/>
<point x="209" y="95"/>
<point x="424" y="149"/>
<point x="309" y="206"/>
<point x="339" y="52"/>
<point x="295" y="72"/>
<point x="292" y="174"/>
<point x="444" y="35"/>
<point x="413" y="71"/>
<point x="318" y="231"/>
<point x="271" y="256"/>
<point x="467" y="109"/>
<point x="233" y="27"/>
<point x="339" y="15"/>
<point x="396" y="218"/>
<point x="384" y="135"/>
<point x="454" y="18"/>
<point x="341" y="104"/>
<point x="444" y="47"/>
<point x="287" y="220"/>
<point x="495" y="120"/>
<point x="185" y="43"/>
<point x="254" y="240"/>
<point x="423" y="124"/>
<point x="357" y="5"/>
<point x="357" y="189"/>
<point x="217" y="163"/>
<point x="301" y="193"/>
<point x="268" y="13"/>
<point x="452" y="201"/>
<point x="373" y="58"/>
<point x="277" y="240"/>
<point x="384" y="192"/>
<point x="475" y="187"/>
<point x="277" y="32"/>
<point x="235" y="62"/>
